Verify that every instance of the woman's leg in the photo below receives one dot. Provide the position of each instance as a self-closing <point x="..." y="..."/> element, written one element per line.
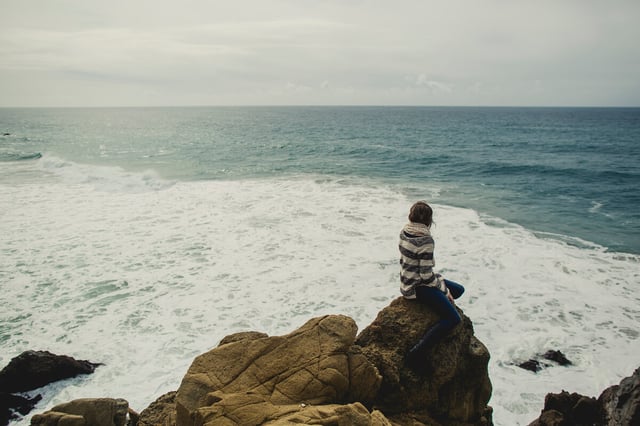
<point x="455" y="289"/>
<point x="439" y="302"/>
<point x="449" y="318"/>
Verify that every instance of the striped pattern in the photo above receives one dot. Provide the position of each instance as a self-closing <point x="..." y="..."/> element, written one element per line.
<point x="416" y="260"/>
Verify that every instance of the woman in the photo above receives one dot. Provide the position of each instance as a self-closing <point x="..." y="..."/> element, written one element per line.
<point x="418" y="281"/>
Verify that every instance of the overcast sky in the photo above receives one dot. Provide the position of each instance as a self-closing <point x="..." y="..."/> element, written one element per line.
<point x="319" y="52"/>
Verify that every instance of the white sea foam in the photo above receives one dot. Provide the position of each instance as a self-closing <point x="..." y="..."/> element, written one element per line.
<point x="103" y="178"/>
<point x="144" y="281"/>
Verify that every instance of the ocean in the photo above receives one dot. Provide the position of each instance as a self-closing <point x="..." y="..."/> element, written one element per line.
<point x="139" y="237"/>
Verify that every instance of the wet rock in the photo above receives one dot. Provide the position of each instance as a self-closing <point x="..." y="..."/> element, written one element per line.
<point x="618" y="405"/>
<point x="531" y="365"/>
<point x="557" y="357"/>
<point x="538" y="363"/>
<point x="12" y="407"/>
<point x="33" y="369"/>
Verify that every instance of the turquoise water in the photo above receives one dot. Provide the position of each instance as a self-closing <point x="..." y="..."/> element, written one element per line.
<point x="568" y="171"/>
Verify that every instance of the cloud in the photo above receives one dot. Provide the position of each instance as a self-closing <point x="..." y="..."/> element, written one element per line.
<point x="437" y="86"/>
<point x="460" y="52"/>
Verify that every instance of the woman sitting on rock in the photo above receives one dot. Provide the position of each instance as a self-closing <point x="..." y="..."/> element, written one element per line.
<point x="418" y="281"/>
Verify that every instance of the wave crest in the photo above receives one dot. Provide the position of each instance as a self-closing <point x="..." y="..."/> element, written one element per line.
<point x="104" y="178"/>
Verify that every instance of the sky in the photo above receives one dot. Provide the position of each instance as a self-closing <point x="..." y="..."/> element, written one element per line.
<point x="319" y="52"/>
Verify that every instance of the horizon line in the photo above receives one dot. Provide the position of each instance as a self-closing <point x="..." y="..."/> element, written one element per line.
<point x="310" y="106"/>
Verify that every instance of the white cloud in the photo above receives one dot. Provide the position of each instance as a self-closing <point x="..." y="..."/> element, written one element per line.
<point x="437" y="86"/>
<point x="250" y="51"/>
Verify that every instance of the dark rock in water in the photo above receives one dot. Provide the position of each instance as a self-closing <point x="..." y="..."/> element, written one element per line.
<point x="33" y="369"/>
<point x="531" y="365"/>
<point x="13" y="406"/>
<point x="6" y="134"/>
<point x="558" y="357"/>
<point x="455" y="388"/>
<point x="618" y="405"/>
<point x="551" y="355"/>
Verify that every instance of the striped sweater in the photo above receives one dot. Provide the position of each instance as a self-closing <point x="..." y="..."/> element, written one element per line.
<point x="416" y="260"/>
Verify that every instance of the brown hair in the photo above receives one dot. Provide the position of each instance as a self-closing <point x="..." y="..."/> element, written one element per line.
<point x="421" y="213"/>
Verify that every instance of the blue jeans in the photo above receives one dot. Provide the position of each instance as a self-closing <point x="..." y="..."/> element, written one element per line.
<point x="439" y="302"/>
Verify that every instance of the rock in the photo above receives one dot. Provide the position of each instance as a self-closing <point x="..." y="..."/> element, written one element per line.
<point x="255" y="409"/>
<point x="535" y="365"/>
<point x="33" y="369"/>
<point x="12" y="406"/>
<point x="557" y="357"/>
<point x="161" y="412"/>
<point x="455" y="389"/>
<point x="531" y="365"/>
<point x="621" y="403"/>
<point x="244" y="335"/>
<point x="317" y="364"/>
<point x="618" y="405"/>
<point x="53" y="418"/>
<point x="566" y="408"/>
<point x="322" y="374"/>
<point x="86" y="411"/>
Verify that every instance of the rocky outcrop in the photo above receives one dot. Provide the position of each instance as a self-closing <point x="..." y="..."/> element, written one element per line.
<point x="256" y="380"/>
<point x="453" y="389"/>
<point x="33" y="369"/>
<point x="618" y="405"/>
<point x="85" y="412"/>
<point x="322" y="374"/>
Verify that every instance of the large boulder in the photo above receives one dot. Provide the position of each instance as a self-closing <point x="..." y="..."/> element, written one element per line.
<point x="33" y="369"/>
<point x="618" y="405"/>
<point x="453" y="388"/>
<point x="85" y="411"/>
<point x="317" y="364"/>
<point x="322" y="374"/>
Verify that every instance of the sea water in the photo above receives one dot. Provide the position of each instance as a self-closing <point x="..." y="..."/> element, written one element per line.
<point x="140" y="237"/>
